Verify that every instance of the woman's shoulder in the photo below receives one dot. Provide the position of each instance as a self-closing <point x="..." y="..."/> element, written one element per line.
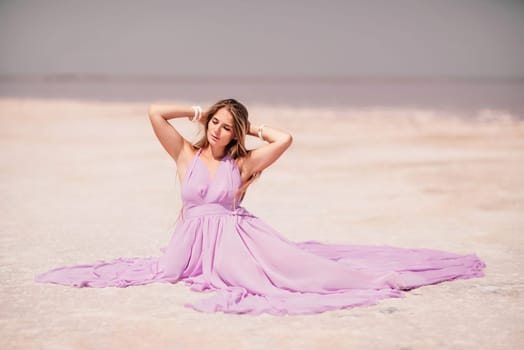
<point x="187" y="153"/>
<point x="239" y="160"/>
<point x="240" y="165"/>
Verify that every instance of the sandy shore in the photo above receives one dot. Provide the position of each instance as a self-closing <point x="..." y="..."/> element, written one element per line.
<point x="82" y="182"/>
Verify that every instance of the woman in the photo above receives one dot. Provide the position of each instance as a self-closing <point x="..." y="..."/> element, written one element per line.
<point x="218" y="245"/>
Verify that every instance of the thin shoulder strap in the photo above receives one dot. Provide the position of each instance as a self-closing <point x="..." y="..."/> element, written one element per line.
<point x="192" y="163"/>
<point x="187" y="175"/>
<point x="232" y="165"/>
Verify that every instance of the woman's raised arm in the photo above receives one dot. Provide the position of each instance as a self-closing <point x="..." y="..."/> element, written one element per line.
<point x="168" y="136"/>
<point x="262" y="157"/>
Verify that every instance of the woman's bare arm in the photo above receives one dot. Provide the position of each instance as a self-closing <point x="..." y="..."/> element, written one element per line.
<point x="262" y="157"/>
<point x="168" y="136"/>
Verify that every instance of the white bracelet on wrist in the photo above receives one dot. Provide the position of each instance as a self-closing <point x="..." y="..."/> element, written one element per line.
<point x="260" y="128"/>
<point x="198" y="113"/>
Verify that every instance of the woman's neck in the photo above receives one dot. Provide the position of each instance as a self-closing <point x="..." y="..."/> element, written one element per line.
<point x="216" y="153"/>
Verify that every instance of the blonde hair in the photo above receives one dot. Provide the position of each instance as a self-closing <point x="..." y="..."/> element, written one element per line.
<point x="236" y="148"/>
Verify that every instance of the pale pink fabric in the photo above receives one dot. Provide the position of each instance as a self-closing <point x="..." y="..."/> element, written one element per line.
<point x="250" y="268"/>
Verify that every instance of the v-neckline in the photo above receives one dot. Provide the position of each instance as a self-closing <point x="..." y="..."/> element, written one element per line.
<point x="211" y="177"/>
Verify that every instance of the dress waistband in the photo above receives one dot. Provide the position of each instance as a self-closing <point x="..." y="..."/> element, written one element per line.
<point x="190" y="212"/>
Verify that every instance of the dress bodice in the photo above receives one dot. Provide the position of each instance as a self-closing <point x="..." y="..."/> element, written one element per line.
<point x="198" y="187"/>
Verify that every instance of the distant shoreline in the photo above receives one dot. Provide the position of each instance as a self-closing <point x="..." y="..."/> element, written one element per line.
<point x="466" y="96"/>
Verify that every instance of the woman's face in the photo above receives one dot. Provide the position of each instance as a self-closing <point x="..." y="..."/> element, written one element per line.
<point x="220" y="128"/>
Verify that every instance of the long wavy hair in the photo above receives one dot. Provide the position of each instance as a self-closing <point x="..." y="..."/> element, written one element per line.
<point x="236" y="148"/>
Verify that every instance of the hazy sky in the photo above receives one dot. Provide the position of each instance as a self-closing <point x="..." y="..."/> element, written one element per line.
<point x="465" y="38"/>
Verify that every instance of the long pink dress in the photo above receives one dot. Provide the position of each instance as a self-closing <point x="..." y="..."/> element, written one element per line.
<point x="249" y="268"/>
